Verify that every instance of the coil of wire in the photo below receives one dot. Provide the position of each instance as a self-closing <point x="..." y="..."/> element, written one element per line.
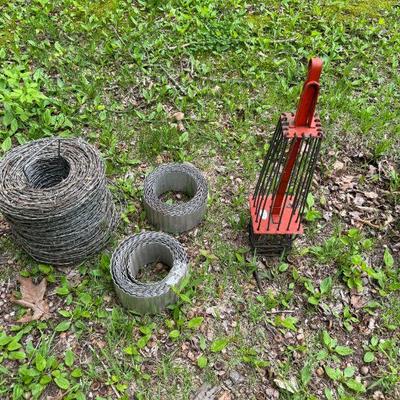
<point x="139" y="252"/>
<point x="180" y="217"/>
<point x="53" y="194"/>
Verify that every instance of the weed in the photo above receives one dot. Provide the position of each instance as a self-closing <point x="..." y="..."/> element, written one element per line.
<point x="27" y="112"/>
<point x="319" y="293"/>
<point x="347" y="252"/>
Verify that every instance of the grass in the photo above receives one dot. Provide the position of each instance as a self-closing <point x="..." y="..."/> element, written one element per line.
<point x="115" y="73"/>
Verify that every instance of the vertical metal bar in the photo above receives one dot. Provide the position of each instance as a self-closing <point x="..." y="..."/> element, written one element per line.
<point x="307" y="180"/>
<point x="310" y="177"/>
<point x="305" y="173"/>
<point x="267" y="159"/>
<point x="300" y="165"/>
<point x="269" y="186"/>
<point x="285" y="176"/>
<point x="293" y="176"/>
<point x="276" y="175"/>
<point x="270" y="157"/>
<point x="297" y="180"/>
<point x="266" y="186"/>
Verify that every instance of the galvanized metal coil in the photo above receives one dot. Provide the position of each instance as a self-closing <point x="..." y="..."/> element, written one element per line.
<point x="53" y="194"/>
<point x="181" y="217"/>
<point x="141" y="251"/>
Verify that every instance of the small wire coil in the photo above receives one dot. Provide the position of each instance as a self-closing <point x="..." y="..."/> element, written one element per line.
<point x="53" y="194"/>
<point x="139" y="252"/>
<point x="175" y="218"/>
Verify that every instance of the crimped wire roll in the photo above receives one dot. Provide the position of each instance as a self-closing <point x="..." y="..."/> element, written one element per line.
<point x="53" y="194"/>
<point x="139" y="251"/>
<point x="175" y="218"/>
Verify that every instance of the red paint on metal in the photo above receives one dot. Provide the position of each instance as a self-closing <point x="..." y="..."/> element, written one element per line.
<point x="290" y="130"/>
<point x="275" y="228"/>
<point x="303" y="118"/>
<point x="309" y="96"/>
<point x="284" y="179"/>
<point x="278" y="215"/>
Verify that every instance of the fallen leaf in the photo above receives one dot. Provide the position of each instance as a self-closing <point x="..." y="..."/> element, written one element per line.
<point x="184" y="346"/>
<point x="33" y="298"/>
<point x="272" y="394"/>
<point x="179" y="116"/>
<point x="371" y="324"/>
<point x="225" y="396"/>
<point x="371" y="170"/>
<point x="346" y="182"/>
<point x="290" y="385"/>
<point x="181" y="127"/>
<point x="355" y="214"/>
<point x="357" y="301"/>
<point x="327" y="215"/>
<point x="58" y="396"/>
<point x="371" y="195"/>
<point x="358" y="200"/>
<point x="389" y="220"/>
<point x="338" y="165"/>
<point x="206" y="392"/>
<point x="100" y="343"/>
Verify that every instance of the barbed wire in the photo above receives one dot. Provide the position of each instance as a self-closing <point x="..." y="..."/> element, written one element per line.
<point x="54" y="196"/>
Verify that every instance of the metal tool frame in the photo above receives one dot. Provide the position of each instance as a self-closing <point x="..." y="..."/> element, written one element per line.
<point x="279" y="199"/>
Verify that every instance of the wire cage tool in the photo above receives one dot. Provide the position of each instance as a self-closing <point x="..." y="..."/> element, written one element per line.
<point x="279" y="199"/>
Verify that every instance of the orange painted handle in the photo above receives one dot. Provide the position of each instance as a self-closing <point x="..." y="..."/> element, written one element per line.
<point x="309" y="95"/>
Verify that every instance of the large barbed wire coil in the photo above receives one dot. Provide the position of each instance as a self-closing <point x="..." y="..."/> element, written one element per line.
<point x="53" y="194"/>
<point x="139" y="252"/>
<point x="180" y="217"/>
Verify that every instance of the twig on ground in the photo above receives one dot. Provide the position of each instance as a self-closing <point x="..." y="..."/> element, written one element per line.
<point x="280" y="312"/>
<point x="273" y="41"/>
<point x="173" y="80"/>
<point x="118" y="35"/>
<point x="363" y="208"/>
<point x="363" y="221"/>
<point x="257" y="278"/>
<point x="270" y="328"/>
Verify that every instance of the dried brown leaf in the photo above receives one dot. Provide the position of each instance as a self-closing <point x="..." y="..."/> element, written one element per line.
<point x="58" y="396"/>
<point x="33" y="298"/>
<point x="181" y="127"/>
<point x="225" y="396"/>
<point x="359" y="200"/>
<point x="338" y="165"/>
<point x="179" y="116"/>
<point x="206" y="392"/>
<point x="371" y="195"/>
<point x="389" y="220"/>
<point x="357" y="301"/>
<point x="346" y="182"/>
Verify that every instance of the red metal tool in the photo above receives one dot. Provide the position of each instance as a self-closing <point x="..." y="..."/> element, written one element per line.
<point x="279" y="199"/>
